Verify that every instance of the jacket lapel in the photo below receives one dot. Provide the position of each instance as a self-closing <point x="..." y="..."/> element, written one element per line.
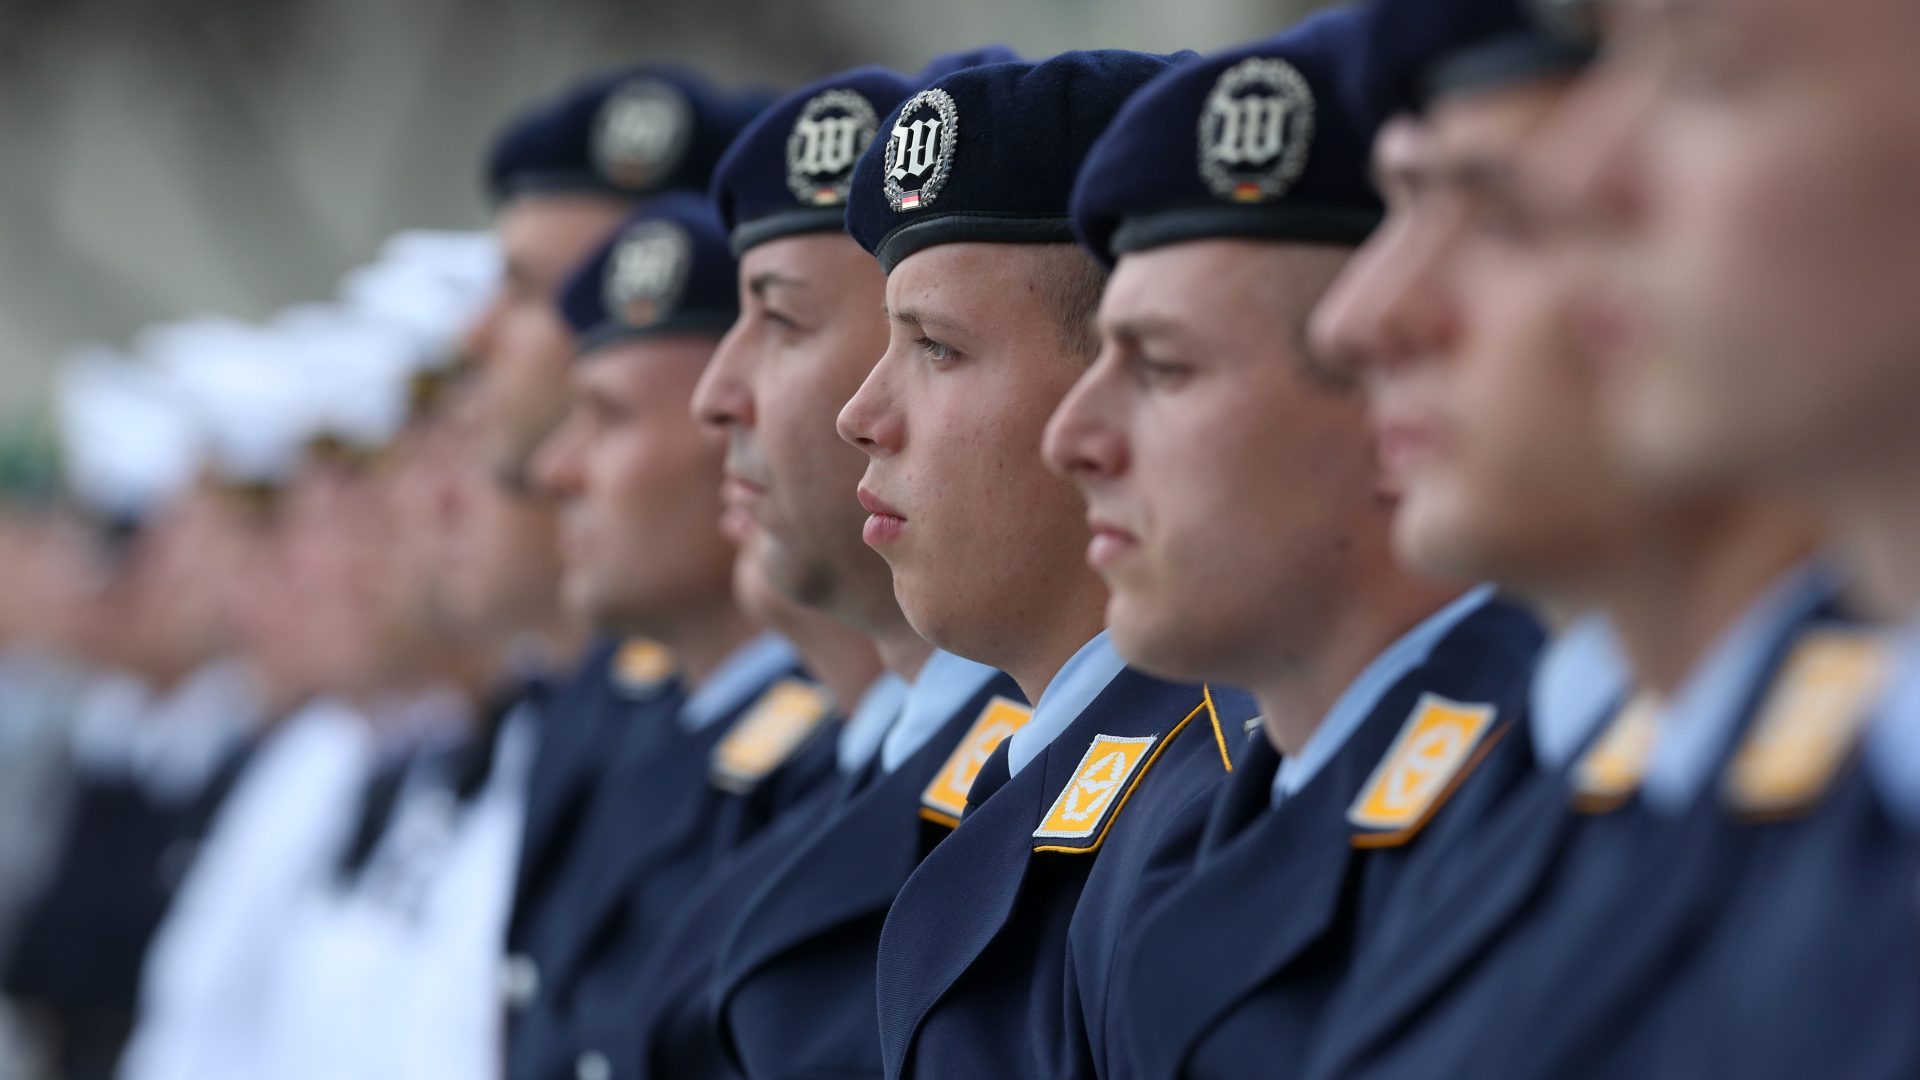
<point x="1289" y="866"/>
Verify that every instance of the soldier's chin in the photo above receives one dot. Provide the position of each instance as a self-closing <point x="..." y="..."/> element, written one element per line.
<point x="1434" y="539"/>
<point x="1159" y="642"/>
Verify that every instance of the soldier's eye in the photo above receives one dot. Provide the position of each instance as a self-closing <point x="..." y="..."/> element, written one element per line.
<point x="937" y="352"/>
<point x="1159" y="373"/>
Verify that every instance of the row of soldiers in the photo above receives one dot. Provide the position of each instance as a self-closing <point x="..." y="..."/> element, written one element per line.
<point x="1378" y="552"/>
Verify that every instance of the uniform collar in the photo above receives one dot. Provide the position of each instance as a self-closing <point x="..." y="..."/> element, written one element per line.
<point x="1704" y="714"/>
<point x="879" y="707"/>
<point x="945" y="683"/>
<point x="1580" y="679"/>
<point x="741" y="676"/>
<point x="1893" y="743"/>
<point x="1073" y="688"/>
<point x="1357" y="702"/>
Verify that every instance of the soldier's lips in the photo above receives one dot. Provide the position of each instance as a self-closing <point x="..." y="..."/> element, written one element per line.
<point x="884" y="523"/>
<point x="1110" y="544"/>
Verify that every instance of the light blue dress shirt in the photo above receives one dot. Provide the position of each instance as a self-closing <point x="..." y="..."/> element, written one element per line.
<point x="1581" y="680"/>
<point x="1893" y="743"/>
<point x="1078" y="682"/>
<point x="944" y="684"/>
<point x="737" y="679"/>
<point x="879" y="707"/>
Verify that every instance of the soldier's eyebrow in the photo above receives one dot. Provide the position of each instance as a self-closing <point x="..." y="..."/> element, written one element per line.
<point x="922" y="321"/>
<point x="760" y="283"/>
<point x="1137" y="330"/>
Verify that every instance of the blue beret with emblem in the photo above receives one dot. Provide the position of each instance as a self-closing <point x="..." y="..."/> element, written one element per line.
<point x="665" y="272"/>
<point x="1427" y="49"/>
<point x="989" y="154"/>
<point x="629" y="133"/>
<point x="1268" y="141"/>
<point x="790" y="171"/>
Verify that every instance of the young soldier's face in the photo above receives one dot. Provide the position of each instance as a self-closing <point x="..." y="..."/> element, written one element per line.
<point x="639" y="488"/>
<point x="1227" y="478"/>
<point x="1749" y="175"/>
<point x="1458" y="313"/>
<point x="982" y="539"/>
<point x="812" y="324"/>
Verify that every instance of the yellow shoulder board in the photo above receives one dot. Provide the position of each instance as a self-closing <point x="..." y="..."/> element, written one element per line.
<point x="1105" y="778"/>
<point x="1436" y="749"/>
<point x="1609" y="773"/>
<point x="779" y="723"/>
<point x="1809" y="723"/>
<point x="946" y="797"/>
<point x="642" y="666"/>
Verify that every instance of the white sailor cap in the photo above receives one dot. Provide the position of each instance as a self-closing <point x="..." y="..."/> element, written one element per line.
<point x="244" y="391"/>
<point x="127" y="443"/>
<point x="432" y="283"/>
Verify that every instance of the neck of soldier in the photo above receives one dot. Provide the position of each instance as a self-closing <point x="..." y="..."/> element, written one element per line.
<point x="702" y="639"/>
<point x="1876" y="527"/>
<point x="1039" y="638"/>
<point x="1688" y="578"/>
<point x="844" y="660"/>
<point x="1297" y="688"/>
<point x="902" y="651"/>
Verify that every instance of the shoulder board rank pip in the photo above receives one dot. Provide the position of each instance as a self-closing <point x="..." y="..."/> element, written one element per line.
<point x="1809" y="724"/>
<point x="945" y="798"/>
<point x="642" y="668"/>
<point x="1105" y="778"/>
<point x="778" y="724"/>
<point x="1436" y="750"/>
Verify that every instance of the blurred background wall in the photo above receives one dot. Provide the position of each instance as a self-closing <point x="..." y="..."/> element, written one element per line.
<point x="160" y="158"/>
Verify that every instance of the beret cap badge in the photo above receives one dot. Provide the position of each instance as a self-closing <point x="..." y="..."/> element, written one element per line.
<point x="641" y="132"/>
<point x="828" y="136"/>
<point x="1256" y="130"/>
<point x="920" y="150"/>
<point x="647" y="272"/>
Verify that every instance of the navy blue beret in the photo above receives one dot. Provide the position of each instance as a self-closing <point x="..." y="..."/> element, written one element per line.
<point x="1426" y="49"/>
<point x="990" y="153"/>
<point x="1268" y="141"/>
<point x="631" y="133"/>
<point x="665" y="271"/>
<point x="789" y="172"/>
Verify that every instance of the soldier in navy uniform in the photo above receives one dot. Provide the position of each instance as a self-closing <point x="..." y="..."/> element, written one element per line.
<point x="963" y="199"/>
<point x="1774" y="359"/>
<point x="632" y="474"/>
<point x="1232" y="484"/>
<point x="798" y="979"/>
<point x="561" y="175"/>
<point x="1535" y="945"/>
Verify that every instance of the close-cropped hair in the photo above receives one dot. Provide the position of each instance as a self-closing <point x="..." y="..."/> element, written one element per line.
<point x="1073" y="283"/>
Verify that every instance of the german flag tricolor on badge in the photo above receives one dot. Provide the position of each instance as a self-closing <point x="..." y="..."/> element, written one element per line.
<point x="784" y="718"/>
<point x="945" y="799"/>
<point x="1436" y="749"/>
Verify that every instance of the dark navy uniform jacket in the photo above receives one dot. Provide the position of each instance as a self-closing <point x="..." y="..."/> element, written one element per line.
<point x="581" y="722"/>
<point x="646" y="996"/>
<point x="1809" y="967"/>
<point x="973" y="969"/>
<point x="793" y="995"/>
<point x="650" y="833"/>
<point x="1566" y="917"/>
<point x="1229" y="975"/>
